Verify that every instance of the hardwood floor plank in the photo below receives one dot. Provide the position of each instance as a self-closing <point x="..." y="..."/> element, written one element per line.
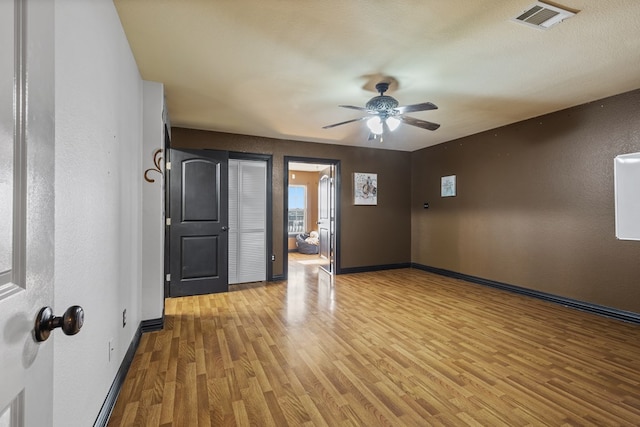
<point x="314" y="412"/>
<point x="221" y="410"/>
<point x="240" y="413"/>
<point x="130" y="413"/>
<point x="202" y="401"/>
<point x="390" y="348"/>
<point x="168" y="401"/>
<point x="256" y="405"/>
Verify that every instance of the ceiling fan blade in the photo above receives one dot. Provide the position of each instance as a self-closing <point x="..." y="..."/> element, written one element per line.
<point x="416" y="107"/>
<point x="344" y="123"/>
<point x="419" y="123"/>
<point x="353" y="107"/>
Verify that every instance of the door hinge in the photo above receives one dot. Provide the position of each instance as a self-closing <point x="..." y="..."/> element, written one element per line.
<point x="168" y="221"/>
<point x="167" y="166"/>
<point x="168" y="278"/>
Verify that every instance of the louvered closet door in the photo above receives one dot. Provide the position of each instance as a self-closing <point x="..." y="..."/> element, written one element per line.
<point x="247" y="221"/>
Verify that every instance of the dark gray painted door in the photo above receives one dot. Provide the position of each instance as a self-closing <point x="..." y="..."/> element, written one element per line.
<point x="199" y="221"/>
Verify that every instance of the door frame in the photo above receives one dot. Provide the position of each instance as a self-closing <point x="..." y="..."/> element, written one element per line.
<point x="268" y="158"/>
<point x="167" y="212"/>
<point x="285" y="207"/>
<point x="232" y="155"/>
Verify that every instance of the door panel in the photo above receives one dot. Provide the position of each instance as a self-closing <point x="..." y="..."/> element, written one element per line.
<point x="323" y="215"/>
<point x="26" y="209"/>
<point x="247" y="220"/>
<point x="326" y="211"/>
<point x="199" y="221"/>
<point x="197" y="251"/>
<point x="199" y="205"/>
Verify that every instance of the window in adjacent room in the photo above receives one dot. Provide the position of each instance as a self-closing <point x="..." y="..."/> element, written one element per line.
<point x="297" y="209"/>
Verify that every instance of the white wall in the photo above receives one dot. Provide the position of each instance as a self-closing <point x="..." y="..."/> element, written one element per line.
<point x="153" y="204"/>
<point x="98" y="190"/>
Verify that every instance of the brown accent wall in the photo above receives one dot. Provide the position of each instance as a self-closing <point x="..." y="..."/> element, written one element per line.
<point x="369" y="235"/>
<point x="534" y="205"/>
<point x="310" y="180"/>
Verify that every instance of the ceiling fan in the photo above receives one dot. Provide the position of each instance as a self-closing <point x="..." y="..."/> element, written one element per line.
<point x="384" y="115"/>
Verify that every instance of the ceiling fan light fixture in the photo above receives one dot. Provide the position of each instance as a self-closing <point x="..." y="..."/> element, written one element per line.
<point x="384" y="115"/>
<point x="375" y="125"/>
<point x="393" y="123"/>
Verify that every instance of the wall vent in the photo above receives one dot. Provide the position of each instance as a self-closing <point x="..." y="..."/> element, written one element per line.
<point x="542" y="16"/>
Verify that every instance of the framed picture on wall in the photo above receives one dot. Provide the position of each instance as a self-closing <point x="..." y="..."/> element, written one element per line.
<point x="365" y="188"/>
<point x="448" y="186"/>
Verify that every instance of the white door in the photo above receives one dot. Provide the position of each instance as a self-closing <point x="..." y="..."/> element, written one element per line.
<point x="26" y="209"/>
<point x="326" y="217"/>
<point x="247" y="221"/>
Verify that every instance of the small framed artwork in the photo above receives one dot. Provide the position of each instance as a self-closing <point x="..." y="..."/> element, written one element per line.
<point x="448" y="186"/>
<point x="365" y="188"/>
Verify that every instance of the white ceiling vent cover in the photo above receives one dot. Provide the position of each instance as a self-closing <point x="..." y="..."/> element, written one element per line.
<point x="542" y="16"/>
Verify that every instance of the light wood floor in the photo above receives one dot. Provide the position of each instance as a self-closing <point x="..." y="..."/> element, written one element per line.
<point x="391" y="348"/>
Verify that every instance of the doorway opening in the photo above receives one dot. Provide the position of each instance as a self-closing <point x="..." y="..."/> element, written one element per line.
<point x="311" y="206"/>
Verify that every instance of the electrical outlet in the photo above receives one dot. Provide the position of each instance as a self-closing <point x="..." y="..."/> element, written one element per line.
<point x="273" y="257"/>
<point x="111" y="348"/>
<point x="124" y="317"/>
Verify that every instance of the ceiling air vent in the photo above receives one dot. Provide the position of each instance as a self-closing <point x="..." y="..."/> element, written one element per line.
<point x="543" y="16"/>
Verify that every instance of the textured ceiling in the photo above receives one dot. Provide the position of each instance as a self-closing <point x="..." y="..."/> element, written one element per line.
<point x="280" y="68"/>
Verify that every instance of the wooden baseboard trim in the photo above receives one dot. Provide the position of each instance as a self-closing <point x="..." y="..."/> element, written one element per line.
<point x="114" y="390"/>
<point x="350" y="270"/>
<point x="626" y="316"/>
<point x="278" y="277"/>
<point x="152" y="325"/>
